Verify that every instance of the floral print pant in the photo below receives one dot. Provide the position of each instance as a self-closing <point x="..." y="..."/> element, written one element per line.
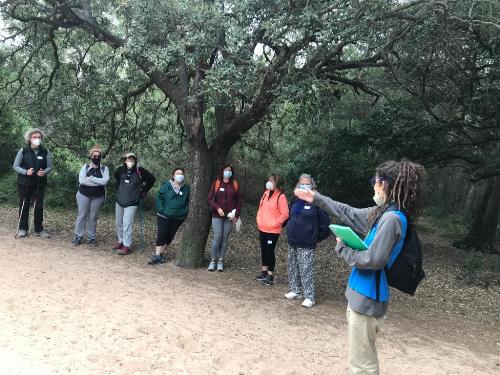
<point x="301" y="271"/>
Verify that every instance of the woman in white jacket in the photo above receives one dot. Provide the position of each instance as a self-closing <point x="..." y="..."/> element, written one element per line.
<point x="90" y="197"/>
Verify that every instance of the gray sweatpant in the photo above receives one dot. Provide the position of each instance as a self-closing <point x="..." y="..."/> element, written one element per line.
<point x="301" y="271"/>
<point x="222" y="228"/>
<point x="125" y="223"/>
<point x="88" y="208"/>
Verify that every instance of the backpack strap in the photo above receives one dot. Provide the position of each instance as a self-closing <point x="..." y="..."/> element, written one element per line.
<point x="236" y="186"/>
<point x="139" y="173"/>
<point x="278" y="200"/>
<point x="378" y="275"/>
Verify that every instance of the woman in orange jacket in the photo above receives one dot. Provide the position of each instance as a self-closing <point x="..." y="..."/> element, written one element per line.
<point x="272" y="214"/>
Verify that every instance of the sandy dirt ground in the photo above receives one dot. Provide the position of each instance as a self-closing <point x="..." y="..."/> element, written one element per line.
<point x="66" y="310"/>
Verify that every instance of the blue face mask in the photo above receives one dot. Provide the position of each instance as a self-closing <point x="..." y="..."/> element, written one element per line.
<point x="179" y="178"/>
<point x="305" y="186"/>
<point x="228" y="174"/>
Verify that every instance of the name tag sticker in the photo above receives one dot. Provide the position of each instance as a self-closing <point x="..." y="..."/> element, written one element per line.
<point x="222" y="189"/>
<point x="180" y="192"/>
<point x="269" y="242"/>
<point x="307" y="207"/>
<point x="40" y="157"/>
<point x="126" y="181"/>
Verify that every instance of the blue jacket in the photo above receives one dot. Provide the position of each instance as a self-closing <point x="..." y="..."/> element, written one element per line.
<point x="307" y="225"/>
<point x="364" y="281"/>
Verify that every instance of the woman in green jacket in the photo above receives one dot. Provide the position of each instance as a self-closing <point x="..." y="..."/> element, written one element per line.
<point x="172" y="203"/>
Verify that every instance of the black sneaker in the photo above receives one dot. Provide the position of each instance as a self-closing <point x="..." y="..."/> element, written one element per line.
<point x="77" y="241"/>
<point x="261" y="276"/>
<point x="92" y="243"/>
<point x="268" y="280"/>
<point x="155" y="259"/>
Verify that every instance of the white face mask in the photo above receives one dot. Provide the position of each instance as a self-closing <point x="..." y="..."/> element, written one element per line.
<point x="130" y="164"/>
<point x="36" y="142"/>
<point x="269" y="185"/>
<point x="179" y="178"/>
<point x="379" y="199"/>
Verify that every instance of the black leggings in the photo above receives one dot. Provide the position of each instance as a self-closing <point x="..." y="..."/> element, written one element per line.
<point x="166" y="230"/>
<point x="268" y="243"/>
<point x="29" y="195"/>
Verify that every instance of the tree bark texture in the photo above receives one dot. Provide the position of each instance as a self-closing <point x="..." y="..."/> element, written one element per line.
<point x="483" y="213"/>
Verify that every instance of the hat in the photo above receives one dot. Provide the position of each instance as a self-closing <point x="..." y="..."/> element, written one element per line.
<point x="129" y="155"/>
<point x="96" y="148"/>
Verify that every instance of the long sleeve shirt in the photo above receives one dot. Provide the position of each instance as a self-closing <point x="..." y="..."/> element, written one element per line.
<point x="83" y="179"/>
<point x="227" y="197"/>
<point x="19" y="157"/>
<point x="389" y="232"/>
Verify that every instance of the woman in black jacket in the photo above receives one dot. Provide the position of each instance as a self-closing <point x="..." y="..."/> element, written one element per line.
<point x="307" y="226"/>
<point x="134" y="183"/>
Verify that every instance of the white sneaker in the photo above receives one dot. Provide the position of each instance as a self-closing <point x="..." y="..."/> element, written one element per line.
<point x="42" y="234"/>
<point x="211" y="266"/>
<point x="21" y="233"/>
<point x="308" y="303"/>
<point x="220" y="266"/>
<point x="293" y="295"/>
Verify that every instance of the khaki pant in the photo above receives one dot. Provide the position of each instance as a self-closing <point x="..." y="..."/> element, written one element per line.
<point x="362" y="332"/>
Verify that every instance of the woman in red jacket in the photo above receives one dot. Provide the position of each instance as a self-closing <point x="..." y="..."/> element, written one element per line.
<point x="224" y="199"/>
<point x="272" y="213"/>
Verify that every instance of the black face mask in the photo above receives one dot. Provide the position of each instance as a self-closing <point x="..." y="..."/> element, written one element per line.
<point x="96" y="160"/>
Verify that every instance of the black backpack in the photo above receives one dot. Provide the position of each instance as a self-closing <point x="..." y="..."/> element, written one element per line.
<point x="406" y="273"/>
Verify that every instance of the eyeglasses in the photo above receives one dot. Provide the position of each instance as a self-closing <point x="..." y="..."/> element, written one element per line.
<point x="375" y="180"/>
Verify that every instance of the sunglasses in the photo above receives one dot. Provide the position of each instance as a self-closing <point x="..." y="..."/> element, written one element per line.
<point x="375" y="180"/>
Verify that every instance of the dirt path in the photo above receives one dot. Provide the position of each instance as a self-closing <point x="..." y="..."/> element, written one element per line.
<point x="81" y="311"/>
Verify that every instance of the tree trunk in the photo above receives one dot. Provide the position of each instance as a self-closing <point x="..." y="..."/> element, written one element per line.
<point x="483" y="214"/>
<point x="197" y="225"/>
<point x="202" y="169"/>
<point x="490" y="219"/>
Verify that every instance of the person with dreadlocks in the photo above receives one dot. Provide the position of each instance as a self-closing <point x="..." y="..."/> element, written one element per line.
<point x="397" y="190"/>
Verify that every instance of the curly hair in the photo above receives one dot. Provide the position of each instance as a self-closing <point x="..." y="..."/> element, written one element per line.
<point x="30" y="132"/>
<point x="309" y="177"/>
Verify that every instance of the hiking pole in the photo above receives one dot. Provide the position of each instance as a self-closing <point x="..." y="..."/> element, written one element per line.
<point x="34" y="205"/>
<point x="21" y="212"/>
<point x="141" y="214"/>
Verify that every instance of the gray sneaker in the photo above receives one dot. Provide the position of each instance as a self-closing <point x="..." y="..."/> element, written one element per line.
<point x="21" y="233"/>
<point x="211" y="266"/>
<point x="42" y="234"/>
<point x="220" y="266"/>
<point x="92" y="243"/>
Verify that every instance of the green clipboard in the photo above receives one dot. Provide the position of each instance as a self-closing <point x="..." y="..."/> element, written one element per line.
<point x="348" y="236"/>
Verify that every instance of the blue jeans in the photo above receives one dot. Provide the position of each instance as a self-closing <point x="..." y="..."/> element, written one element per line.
<point x="222" y="228"/>
<point x="125" y="223"/>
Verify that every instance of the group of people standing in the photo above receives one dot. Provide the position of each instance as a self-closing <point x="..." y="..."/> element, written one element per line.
<point x="306" y="223"/>
<point x="397" y="190"/>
